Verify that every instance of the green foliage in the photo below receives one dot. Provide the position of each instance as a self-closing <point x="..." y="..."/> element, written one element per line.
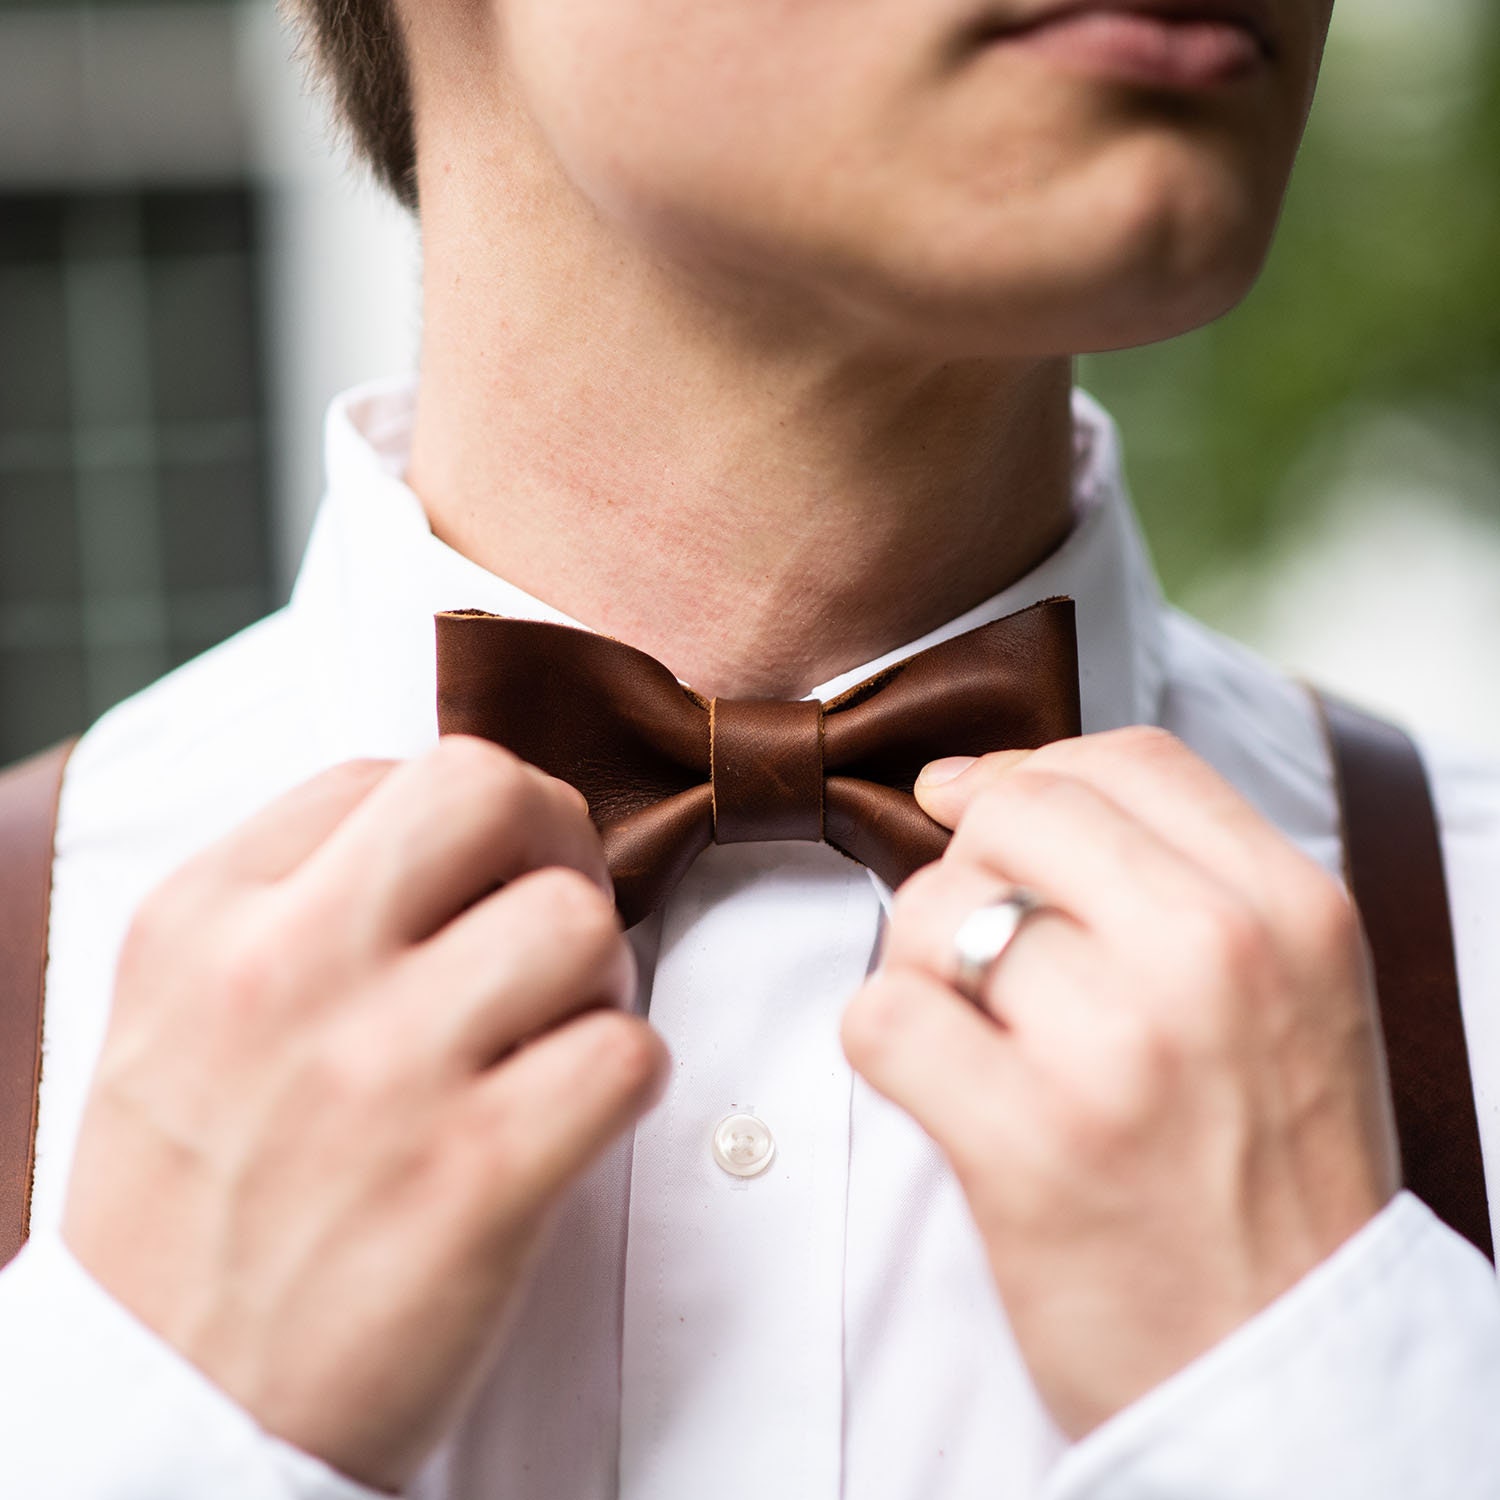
<point x="1380" y="295"/>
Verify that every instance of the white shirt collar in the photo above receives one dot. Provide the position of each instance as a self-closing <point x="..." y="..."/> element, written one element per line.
<point x="374" y="576"/>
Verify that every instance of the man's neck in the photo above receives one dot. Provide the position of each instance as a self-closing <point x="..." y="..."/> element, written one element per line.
<point x="757" y="507"/>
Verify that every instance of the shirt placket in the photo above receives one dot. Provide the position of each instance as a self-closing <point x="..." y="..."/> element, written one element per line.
<point x="732" y="1350"/>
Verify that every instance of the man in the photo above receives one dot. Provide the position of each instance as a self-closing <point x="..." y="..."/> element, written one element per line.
<point x="747" y="343"/>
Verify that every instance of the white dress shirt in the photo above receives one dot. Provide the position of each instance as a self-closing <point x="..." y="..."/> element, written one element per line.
<point x="825" y="1326"/>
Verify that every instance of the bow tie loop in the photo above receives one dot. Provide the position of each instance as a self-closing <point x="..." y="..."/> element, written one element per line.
<point x="667" y="773"/>
<point x="766" y="770"/>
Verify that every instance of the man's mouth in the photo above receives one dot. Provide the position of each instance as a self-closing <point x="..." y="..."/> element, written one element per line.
<point x="1191" y="45"/>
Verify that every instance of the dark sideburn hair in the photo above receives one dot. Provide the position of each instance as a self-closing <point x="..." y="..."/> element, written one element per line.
<point x="358" y="54"/>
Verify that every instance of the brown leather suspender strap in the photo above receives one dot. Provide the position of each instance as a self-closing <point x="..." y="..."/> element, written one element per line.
<point x="1394" y="861"/>
<point x="28" y="821"/>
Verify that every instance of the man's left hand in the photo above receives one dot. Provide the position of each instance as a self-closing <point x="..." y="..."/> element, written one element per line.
<point x="1175" y="1106"/>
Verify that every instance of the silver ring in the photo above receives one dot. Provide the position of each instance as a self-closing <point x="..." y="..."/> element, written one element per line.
<point x="984" y="935"/>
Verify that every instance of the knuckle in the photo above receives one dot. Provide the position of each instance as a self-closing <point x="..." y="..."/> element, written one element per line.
<point x="1149" y="742"/>
<point x="1145" y="744"/>
<point x="323" y="930"/>
<point x="475" y="767"/>
<point x="565" y="797"/>
<point x="993" y="767"/>
<point x="158" y="917"/>
<point x="628" y="1053"/>
<point x="355" y="775"/>
<point x="1061" y="754"/>
<point x="1223" y="937"/>
<point x="503" y="790"/>
<point x="1150" y="1057"/>
<point x="356" y="1068"/>
<point x="1139" y="1045"/>
<point x="919" y="893"/>
<point x="1041" y="784"/>
<point x="247" y="971"/>
<point x="259" y="963"/>
<point x="874" y="1022"/>
<point x="1030" y="794"/>
<point x="1110" y="1105"/>
<point x="583" y="915"/>
<point x="1329" y="920"/>
<point x="1098" y="1129"/>
<point x="1138" y="741"/>
<point x="991" y="809"/>
<point x="138" y="966"/>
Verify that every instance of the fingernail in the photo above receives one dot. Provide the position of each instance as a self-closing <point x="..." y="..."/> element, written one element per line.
<point x="938" y="772"/>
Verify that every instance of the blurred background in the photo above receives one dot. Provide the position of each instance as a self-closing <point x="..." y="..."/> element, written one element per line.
<point x="189" y="270"/>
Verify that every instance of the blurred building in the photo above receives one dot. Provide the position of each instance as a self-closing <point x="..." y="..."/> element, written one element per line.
<point x="188" y="271"/>
<point x="186" y="276"/>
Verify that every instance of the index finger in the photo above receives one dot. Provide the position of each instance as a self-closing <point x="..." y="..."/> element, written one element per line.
<point x="1173" y="792"/>
<point x="442" y="832"/>
<point x="272" y="843"/>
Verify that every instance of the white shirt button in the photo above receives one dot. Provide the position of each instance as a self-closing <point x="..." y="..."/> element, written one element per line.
<point x="742" y="1145"/>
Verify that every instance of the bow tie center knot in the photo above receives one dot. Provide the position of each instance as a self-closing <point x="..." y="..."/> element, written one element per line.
<point x="766" y="758"/>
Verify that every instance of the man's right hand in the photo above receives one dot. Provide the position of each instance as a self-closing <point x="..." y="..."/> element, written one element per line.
<point x="357" y="1050"/>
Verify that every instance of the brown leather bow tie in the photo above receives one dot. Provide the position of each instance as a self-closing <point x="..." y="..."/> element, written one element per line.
<point x="667" y="773"/>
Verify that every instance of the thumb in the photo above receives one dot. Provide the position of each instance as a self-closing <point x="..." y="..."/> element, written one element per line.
<point x="945" y="788"/>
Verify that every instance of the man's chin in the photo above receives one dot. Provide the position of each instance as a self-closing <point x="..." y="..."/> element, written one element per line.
<point x="1036" y="313"/>
<point x="1129" y="250"/>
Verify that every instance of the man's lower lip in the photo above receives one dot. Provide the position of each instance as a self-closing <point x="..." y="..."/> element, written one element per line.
<point x="1154" y="51"/>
